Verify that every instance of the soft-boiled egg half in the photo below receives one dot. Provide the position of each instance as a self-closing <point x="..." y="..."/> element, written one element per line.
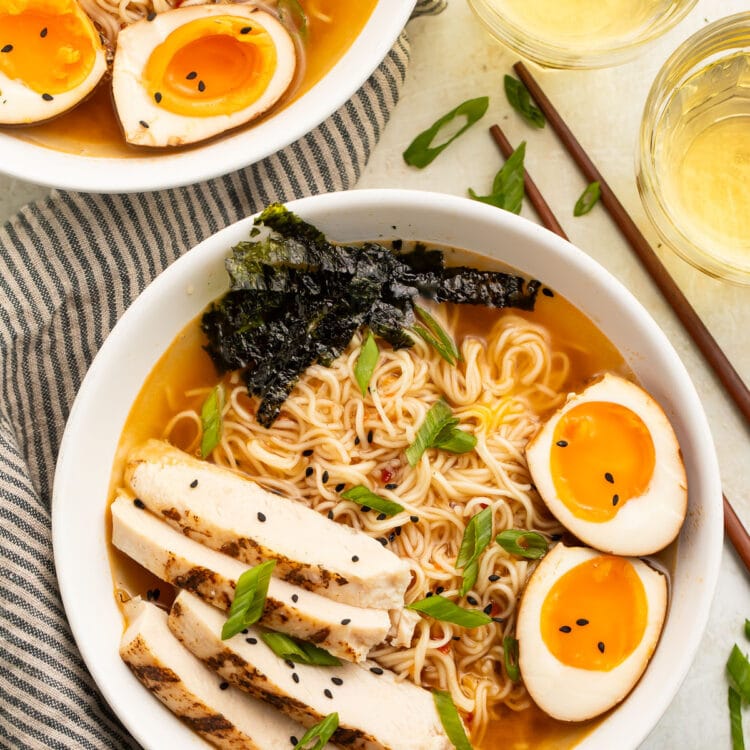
<point x="587" y="626"/>
<point x="194" y="72"/>
<point x="51" y="58"/>
<point x="608" y="466"/>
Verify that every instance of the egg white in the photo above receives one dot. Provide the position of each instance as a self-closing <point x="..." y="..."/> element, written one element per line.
<point x="645" y="524"/>
<point x="135" y="106"/>
<point x="569" y="693"/>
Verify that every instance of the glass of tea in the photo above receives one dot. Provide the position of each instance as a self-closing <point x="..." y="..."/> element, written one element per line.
<point x="694" y="155"/>
<point x="578" y="33"/>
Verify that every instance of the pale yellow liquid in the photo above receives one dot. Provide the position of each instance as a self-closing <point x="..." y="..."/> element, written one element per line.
<point x="705" y="160"/>
<point x="585" y="24"/>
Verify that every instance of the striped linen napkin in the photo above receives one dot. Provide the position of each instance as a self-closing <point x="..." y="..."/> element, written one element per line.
<point x="71" y="266"/>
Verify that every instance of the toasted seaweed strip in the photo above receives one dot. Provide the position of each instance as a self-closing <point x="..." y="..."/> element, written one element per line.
<point x="297" y="299"/>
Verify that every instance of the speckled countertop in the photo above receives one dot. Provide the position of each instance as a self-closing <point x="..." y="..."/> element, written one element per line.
<point x="454" y="59"/>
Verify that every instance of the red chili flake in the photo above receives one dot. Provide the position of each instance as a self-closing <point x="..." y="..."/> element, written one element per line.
<point x="495" y="609"/>
<point x="483" y="505"/>
<point x="386" y="475"/>
<point x="445" y="648"/>
<point x="469" y="717"/>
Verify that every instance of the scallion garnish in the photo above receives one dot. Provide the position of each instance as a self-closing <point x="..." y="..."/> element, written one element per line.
<point x="211" y="421"/>
<point x="316" y="737"/>
<point x="445" y="610"/>
<point x="420" y="153"/>
<point x="362" y="496"/>
<point x="520" y="99"/>
<point x="477" y="536"/>
<point x="526" y="544"/>
<point x="297" y="651"/>
<point x="510" y="656"/>
<point x="450" y="720"/>
<point x="249" y="599"/>
<point x="435" y="335"/>
<point x="738" y="668"/>
<point x="747" y="629"/>
<point x="293" y="16"/>
<point x="365" y="365"/>
<point x="588" y="199"/>
<point x="439" y="431"/>
<point x="735" y="719"/>
<point x="507" y="187"/>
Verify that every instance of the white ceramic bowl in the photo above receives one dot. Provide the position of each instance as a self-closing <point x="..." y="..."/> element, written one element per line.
<point x="183" y="290"/>
<point x="46" y="166"/>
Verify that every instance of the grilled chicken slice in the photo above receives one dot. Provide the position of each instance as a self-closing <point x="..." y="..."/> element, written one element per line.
<point x="175" y="558"/>
<point x="230" y="513"/>
<point x="227" y="718"/>
<point x="376" y="712"/>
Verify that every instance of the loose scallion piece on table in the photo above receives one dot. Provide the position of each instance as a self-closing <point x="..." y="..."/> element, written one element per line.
<point x="507" y="187"/>
<point x="520" y="99"/>
<point x="589" y="198"/>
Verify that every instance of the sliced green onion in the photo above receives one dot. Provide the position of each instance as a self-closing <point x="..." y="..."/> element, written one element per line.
<point x="588" y="199"/>
<point x="520" y="99"/>
<point x="420" y="153"/>
<point x="738" y="668"/>
<point x="445" y="610"/>
<point x="316" y="737"/>
<point x="526" y="544"/>
<point x="747" y="629"/>
<point x="211" y="422"/>
<point x="507" y="187"/>
<point x="439" y="431"/>
<point x="365" y="366"/>
<point x="362" y="496"/>
<point x="510" y="655"/>
<point x="477" y="536"/>
<point x="436" y="336"/>
<point x="298" y="651"/>
<point x="735" y="719"/>
<point x="249" y="599"/>
<point x="292" y="16"/>
<point x="450" y="720"/>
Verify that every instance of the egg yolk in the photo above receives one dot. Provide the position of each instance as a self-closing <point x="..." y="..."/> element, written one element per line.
<point x="602" y="456"/>
<point x="49" y="46"/>
<point x="211" y="66"/>
<point x="595" y="615"/>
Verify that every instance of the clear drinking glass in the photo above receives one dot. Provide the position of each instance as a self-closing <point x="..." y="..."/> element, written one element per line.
<point x="579" y="33"/>
<point x="693" y="167"/>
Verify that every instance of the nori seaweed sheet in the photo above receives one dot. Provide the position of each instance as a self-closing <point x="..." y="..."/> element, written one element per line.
<point x="297" y="299"/>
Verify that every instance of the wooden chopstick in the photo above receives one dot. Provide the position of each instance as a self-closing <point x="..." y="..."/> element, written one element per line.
<point x="736" y="532"/>
<point x="695" y="327"/>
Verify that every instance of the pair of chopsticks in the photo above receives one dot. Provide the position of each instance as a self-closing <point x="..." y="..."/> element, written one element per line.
<point x="712" y="352"/>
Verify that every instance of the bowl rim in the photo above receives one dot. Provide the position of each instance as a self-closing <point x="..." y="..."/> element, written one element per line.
<point x="75" y="567"/>
<point x="92" y="174"/>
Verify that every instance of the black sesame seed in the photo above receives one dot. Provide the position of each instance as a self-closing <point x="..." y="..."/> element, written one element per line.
<point x="328" y="693"/>
<point x="581" y="622"/>
<point x="246" y="29"/>
<point x="439" y="590"/>
<point x="194" y="484"/>
<point x="562" y="443"/>
<point x="355" y="558"/>
<point x="609" y="478"/>
<point x="223" y="685"/>
<point x="7" y="48"/>
<point x="398" y="531"/>
<point x="565" y="628"/>
<point x="139" y="503"/>
<point x="428" y="595"/>
<point x="143" y="124"/>
<point x="547" y="292"/>
<point x="201" y="86"/>
<point x="365" y="508"/>
<point x="381" y="517"/>
<point x="345" y="621"/>
<point x="370" y="436"/>
<point x="615" y="499"/>
<point x="293" y="740"/>
<point x="487" y="609"/>
<point x="295" y="677"/>
<point x="47" y="97"/>
<point x="472" y="600"/>
<point x="414" y="519"/>
<point x="309" y="471"/>
<point x="307" y="452"/>
<point x="157" y="97"/>
<point x="153" y="595"/>
<point x="191" y="76"/>
<point x="383" y="540"/>
<point x="391" y="536"/>
<point x="494" y="577"/>
<point x="261" y="517"/>
<point x="330" y="515"/>
<point x="339" y="487"/>
<point x="357" y="440"/>
<point x="43" y="32"/>
<point x="391" y="486"/>
<point x="252" y="641"/>
<point x="324" y="478"/>
<point x="555" y="537"/>
<point x="337" y="681"/>
<point x="376" y="670"/>
<point x="295" y="598"/>
<point x="289" y="663"/>
<point x="151" y="16"/>
<point x="245" y="631"/>
<point x="600" y="646"/>
<point x="456" y="637"/>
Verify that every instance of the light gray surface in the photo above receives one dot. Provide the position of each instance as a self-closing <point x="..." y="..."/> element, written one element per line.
<point x="453" y="59"/>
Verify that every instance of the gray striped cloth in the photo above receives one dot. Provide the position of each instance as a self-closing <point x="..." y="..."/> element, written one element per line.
<point x="71" y="265"/>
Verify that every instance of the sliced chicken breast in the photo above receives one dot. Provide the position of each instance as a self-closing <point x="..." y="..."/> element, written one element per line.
<point x="376" y="712"/>
<point x="222" y="715"/>
<point x="232" y="514"/>
<point x="347" y="632"/>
